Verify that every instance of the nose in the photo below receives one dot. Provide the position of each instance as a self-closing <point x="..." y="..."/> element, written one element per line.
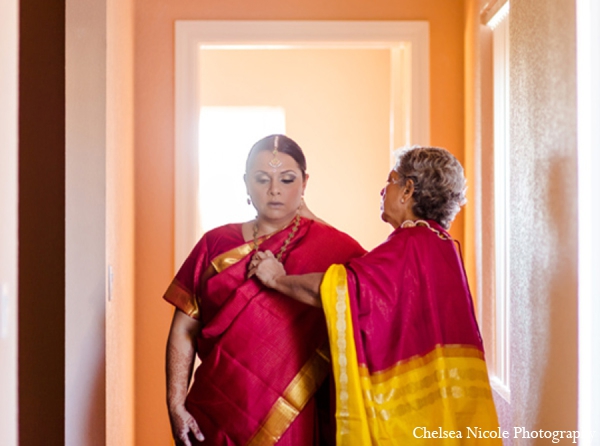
<point x="274" y="189"/>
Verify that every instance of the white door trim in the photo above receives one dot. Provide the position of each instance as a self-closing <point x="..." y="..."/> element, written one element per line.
<point x="407" y="40"/>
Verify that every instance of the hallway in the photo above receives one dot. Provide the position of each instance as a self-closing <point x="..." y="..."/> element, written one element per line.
<point x="88" y="137"/>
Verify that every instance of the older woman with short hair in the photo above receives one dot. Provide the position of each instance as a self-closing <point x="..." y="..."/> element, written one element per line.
<point x="407" y="354"/>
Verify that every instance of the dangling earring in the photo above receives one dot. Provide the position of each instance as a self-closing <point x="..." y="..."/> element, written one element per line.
<point x="248" y="200"/>
<point x="301" y="203"/>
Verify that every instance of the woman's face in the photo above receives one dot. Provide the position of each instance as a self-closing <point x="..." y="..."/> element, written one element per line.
<point x="276" y="192"/>
<point x="393" y="211"/>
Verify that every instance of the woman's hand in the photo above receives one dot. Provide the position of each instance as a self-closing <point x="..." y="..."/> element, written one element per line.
<point x="270" y="272"/>
<point x="181" y="351"/>
<point x="266" y="268"/>
<point x="182" y="424"/>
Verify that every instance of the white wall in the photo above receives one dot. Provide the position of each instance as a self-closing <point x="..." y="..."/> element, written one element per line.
<point x="85" y="386"/>
<point x="588" y="98"/>
<point x="544" y="245"/>
<point x="8" y="220"/>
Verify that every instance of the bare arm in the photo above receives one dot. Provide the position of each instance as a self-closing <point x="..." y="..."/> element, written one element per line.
<point x="181" y="352"/>
<point x="270" y="272"/>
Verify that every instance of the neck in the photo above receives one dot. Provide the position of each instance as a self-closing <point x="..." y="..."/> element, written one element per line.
<point x="267" y="226"/>
<point x="408" y="216"/>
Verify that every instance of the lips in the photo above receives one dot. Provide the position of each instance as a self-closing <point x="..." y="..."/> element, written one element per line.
<point x="275" y="204"/>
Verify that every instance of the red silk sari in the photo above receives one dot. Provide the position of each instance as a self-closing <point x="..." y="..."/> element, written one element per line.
<point x="263" y="355"/>
<point x="407" y="354"/>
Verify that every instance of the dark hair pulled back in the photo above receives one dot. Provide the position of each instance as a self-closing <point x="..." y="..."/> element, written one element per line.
<point x="284" y="145"/>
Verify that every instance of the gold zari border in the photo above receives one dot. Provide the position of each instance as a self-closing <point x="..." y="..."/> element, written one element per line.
<point x="416" y="362"/>
<point x="296" y="395"/>
<point x="457" y="372"/>
<point x="183" y="299"/>
<point x="231" y="257"/>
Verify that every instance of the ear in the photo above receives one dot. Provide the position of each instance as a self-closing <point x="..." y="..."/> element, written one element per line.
<point x="304" y="181"/>
<point x="246" y="183"/>
<point x="409" y="189"/>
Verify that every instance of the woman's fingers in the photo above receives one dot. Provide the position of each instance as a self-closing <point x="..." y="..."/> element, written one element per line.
<point x="256" y="260"/>
<point x="183" y="424"/>
<point x="183" y="439"/>
<point x="196" y="430"/>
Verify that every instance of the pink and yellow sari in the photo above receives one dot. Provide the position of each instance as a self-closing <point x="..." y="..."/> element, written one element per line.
<point x="264" y="355"/>
<point x="407" y="355"/>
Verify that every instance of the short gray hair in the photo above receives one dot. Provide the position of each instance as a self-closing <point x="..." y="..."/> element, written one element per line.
<point x="439" y="182"/>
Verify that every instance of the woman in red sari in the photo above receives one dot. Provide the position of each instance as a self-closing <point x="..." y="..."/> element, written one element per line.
<point x="263" y="356"/>
<point x="407" y="355"/>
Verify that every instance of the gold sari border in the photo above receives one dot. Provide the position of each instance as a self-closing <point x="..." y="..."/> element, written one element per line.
<point x="294" y="398"/>
<point x="182" y="299"/>
<point x="418" y="361"/>
<point x="231" y="257"/>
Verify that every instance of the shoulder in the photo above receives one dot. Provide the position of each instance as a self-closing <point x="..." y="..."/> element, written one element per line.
<point x="422" y="231"/>
<point x="402" y="242"/>
<point x="220" y="239"/>
<point x="228" y="230"/>
<point x="328" y="232"/>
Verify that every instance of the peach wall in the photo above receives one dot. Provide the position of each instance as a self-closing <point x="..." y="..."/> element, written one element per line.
<point x="337" y="106"/>
<point x="154" y="142"/>
<point x="119" y="224"/>
<point x="543" y="139"/>
<point x="479" y="162"/>
<point x="8" y="221"/>
<point x="472" y="101"/>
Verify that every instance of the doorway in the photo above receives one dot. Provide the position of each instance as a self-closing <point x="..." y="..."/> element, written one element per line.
<point x="352" y="93"/>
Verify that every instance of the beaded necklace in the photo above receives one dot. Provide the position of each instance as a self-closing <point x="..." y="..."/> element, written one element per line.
<point x="287" y="240"/>
<point x="412" y="224"/>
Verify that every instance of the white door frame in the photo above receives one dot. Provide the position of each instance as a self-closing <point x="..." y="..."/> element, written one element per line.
<point x="588" y="139"/>
<point x="409" y="114"/>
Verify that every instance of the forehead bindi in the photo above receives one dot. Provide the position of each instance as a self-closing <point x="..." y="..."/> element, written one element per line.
<point x="263" y="158"/>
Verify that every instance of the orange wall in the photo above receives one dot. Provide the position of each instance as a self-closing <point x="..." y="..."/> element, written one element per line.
<point x="119" y="227"/>
<point x="154" y="146"/>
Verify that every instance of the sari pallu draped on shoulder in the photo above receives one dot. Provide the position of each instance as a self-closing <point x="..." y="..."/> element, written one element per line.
<point x="263" y="355"/>
<point x="407" y="355"/>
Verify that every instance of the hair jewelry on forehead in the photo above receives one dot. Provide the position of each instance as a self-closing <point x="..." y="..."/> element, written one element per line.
<point x="275" y="162"/>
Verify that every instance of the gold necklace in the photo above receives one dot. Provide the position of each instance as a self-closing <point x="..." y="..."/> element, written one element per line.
<point x="412" y="224"/>
<point x="287" y="240"/>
